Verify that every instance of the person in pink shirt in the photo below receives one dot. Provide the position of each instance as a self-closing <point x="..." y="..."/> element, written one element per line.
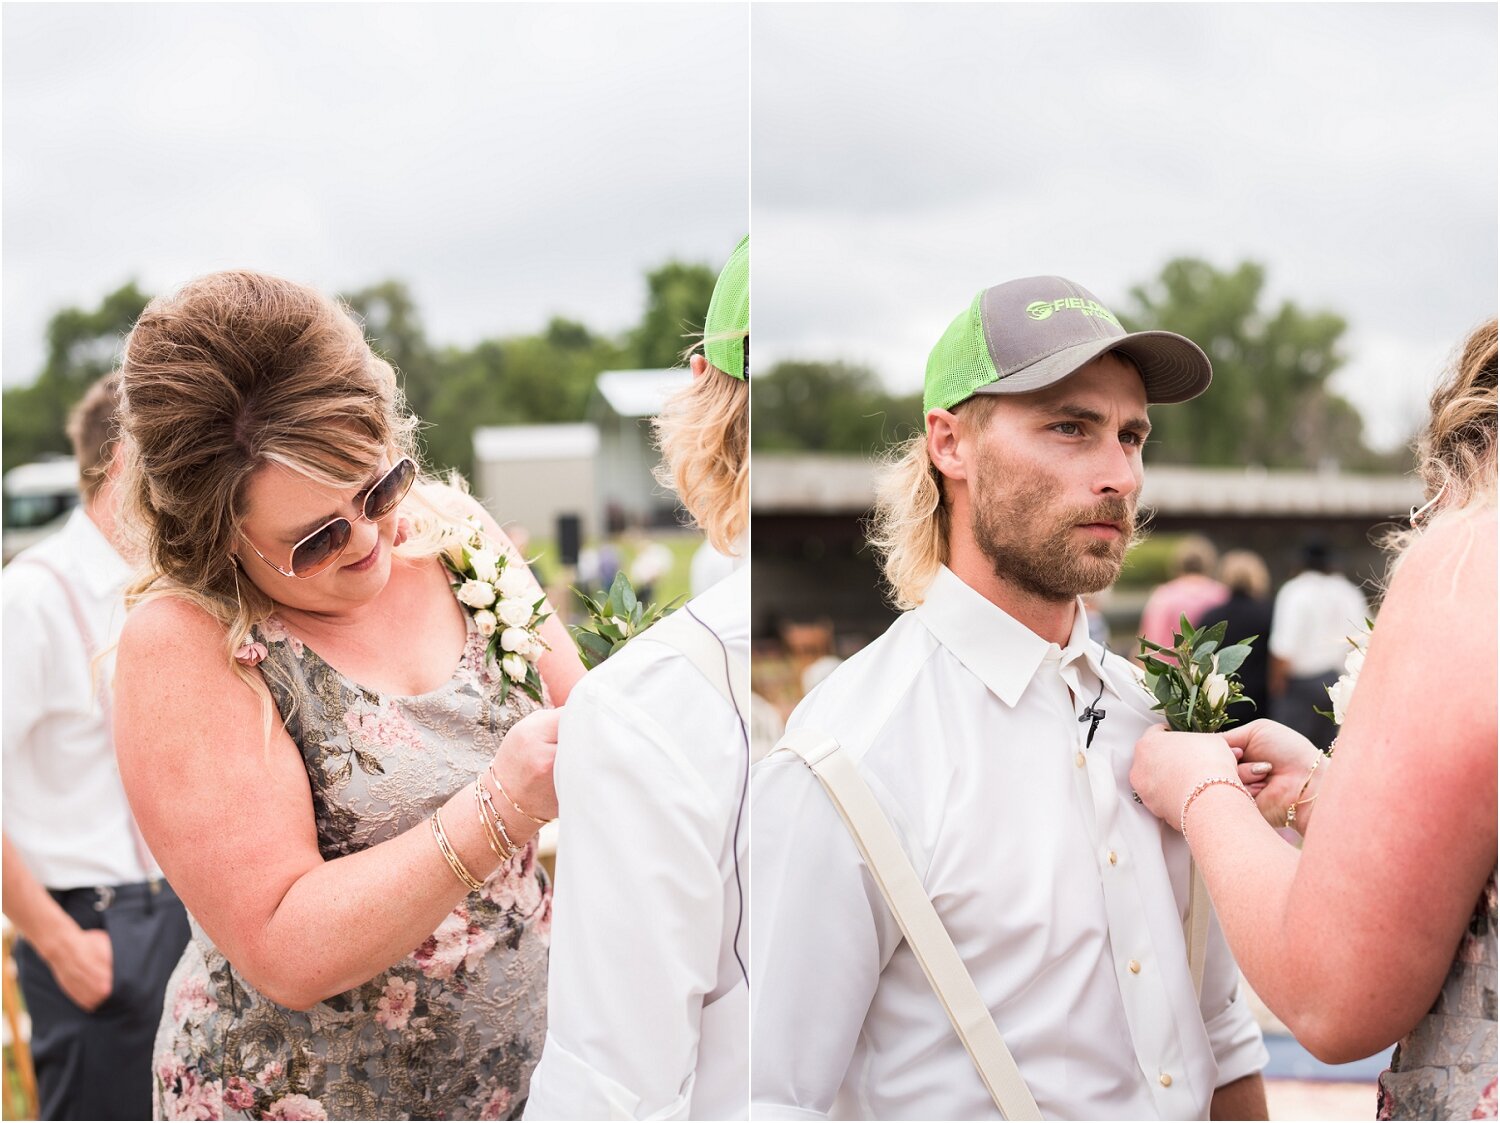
<point x="1191" y="592"/>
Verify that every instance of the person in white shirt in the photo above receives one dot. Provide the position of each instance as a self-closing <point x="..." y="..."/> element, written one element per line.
<point x="1315" y="616"/>
<point x="100" y="930"/>
<point x="997" y="737"/>
<point x="647" y="1007"/>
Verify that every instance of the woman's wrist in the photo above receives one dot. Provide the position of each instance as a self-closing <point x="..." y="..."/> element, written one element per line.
<point x="519" y="827"/>
<point x="1299" y="812"/>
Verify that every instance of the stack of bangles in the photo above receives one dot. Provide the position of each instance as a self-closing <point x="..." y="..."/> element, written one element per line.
<point x="490" y="822"/>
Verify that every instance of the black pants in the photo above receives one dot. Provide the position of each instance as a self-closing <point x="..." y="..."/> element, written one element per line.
<point x="1299" y="706"/>
<point x="98" y="1066"/>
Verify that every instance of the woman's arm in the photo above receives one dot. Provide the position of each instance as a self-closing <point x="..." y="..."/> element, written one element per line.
<point x="230" y="818"/>
<point x="1349" y="942"/>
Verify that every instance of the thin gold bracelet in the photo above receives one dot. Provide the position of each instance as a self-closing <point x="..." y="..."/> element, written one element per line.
<point x="499" y="787"/>
<point x="460" y="871"/>
<point x="505" y="850"/>
<point x="1291" y="812"/>
<point x="499" y="821"/>
<point x="1203" y="787"/>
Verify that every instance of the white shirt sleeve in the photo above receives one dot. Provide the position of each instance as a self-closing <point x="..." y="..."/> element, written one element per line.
<point x="1282" y="643"/>
<point x="27" y="636"/>
<point x="1233" y="1034"/>
<point x="637" y="916"/>
<point x="822" y="936"/>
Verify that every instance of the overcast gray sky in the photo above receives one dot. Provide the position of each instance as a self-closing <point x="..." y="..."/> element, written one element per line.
<point x="908" y="155"/>
<point x="508" y="161"/>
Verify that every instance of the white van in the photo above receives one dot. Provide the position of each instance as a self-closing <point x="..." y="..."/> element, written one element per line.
<point x="38" y="498"/>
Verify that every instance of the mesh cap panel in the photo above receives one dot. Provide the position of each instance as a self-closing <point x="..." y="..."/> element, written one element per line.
<point x="959" y="363"/>
<point x="727" y="326"/>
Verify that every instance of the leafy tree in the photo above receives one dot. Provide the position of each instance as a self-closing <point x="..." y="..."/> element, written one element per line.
<point x="1270" y="403"/>
<point x="827" y="407"/>
<point x="394" y="329"/>
<point x="677" y="296"/>
<point x="82" y="346"/>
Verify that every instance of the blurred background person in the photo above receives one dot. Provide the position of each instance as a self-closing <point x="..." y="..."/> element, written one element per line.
<point x="1248" y="613"/>
<point x="1315" y="616"/>
<point x="1189" y="592"/>
<point x="101" y="931"/>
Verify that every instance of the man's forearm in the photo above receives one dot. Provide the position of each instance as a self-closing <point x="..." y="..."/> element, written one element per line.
<point x="28" y="905"/>
<point x="1244" y="1098"/>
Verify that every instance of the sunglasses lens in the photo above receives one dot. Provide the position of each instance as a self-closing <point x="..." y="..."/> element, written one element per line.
<point x="391" y="489"/>
<point x="313" y="554"/>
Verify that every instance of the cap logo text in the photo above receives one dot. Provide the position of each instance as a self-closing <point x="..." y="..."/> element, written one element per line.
<point x="1042" y="309"/>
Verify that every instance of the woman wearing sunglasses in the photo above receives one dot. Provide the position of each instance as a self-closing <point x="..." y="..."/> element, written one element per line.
<point x="338" y="777"/>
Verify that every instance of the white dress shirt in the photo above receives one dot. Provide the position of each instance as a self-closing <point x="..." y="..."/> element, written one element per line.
<point x="1065" y="899"/>
<point x="1312" y="620"/>
<point x="647" y="1006"/>
<point x="63" y="804"/>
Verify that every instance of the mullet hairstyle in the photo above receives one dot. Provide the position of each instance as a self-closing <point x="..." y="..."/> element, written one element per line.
<point x="909" y="527"/>
<point x="703" y="433"/>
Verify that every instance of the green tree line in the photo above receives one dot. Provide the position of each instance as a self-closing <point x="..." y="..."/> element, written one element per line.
<point x="536" y="378"/>
<point x="1270" y="404"/>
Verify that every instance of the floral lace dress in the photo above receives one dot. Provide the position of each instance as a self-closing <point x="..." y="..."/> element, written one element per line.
<point x="452" y="1031"/>
<point x="1445" y="1067"/>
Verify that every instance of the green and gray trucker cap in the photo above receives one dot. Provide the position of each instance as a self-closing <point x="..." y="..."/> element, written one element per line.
<point x="1025" y="335"/>
<point x="726" y="330"/>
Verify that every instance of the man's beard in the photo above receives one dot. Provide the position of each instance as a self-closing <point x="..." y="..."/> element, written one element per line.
<point x="1033" y="545"/>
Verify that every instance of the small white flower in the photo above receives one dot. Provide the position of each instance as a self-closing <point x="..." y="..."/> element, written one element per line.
<point x="514" y="666"/>
<point x="485" y="621"/>
<point x="623" y="625"/>
<point x="1354" y="664"/>
<point x="1339" y="694"/>
<point x="513" y="612"/>
<point x="515" y="639"/>
<point x="477" y="594"/>
<point x="485" y="565"/>
<point x="535" y="647"/>
<point x="515" y="580"/>
<point x="1216" y="690"/>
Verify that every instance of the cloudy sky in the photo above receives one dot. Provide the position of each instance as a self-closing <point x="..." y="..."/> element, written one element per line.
<point x="906" y="156"/>
<point x="508" y="161"/>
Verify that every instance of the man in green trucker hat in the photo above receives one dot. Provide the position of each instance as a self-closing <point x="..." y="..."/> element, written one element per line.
<point x="648" y="999"/>
<point x="959" y="911"/>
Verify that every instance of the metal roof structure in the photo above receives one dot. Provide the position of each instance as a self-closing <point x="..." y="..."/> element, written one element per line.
<point x="814" y="483"/>
<point x="535" y="442"/>
<point x="640" y="393"/>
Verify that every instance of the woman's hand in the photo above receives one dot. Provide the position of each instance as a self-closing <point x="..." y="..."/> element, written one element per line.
<point x="1168" y="766"/>
<point x="1290" y="756"/>
<point x="524" y="765"/>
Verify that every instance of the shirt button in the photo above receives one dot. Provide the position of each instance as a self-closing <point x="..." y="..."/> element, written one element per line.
<point x="1114" y="859"/>
<point x="1135" y="966"/>
<point x="1166" y="1079"/>
<point x="1078" y="759"/>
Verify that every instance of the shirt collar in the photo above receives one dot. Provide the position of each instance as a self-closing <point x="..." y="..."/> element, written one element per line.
<point x="95" y="562"/>
<point x="1000" y="651"/>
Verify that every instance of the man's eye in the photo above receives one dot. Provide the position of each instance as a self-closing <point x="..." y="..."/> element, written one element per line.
<point x="1133" y="438"/>
<point x="1068" y="428"/>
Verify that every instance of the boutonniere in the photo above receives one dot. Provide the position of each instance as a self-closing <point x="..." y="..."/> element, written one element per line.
<point x="614" y="620"/>
<point x="495" y="590"/>
<point x="1195" y="688"/>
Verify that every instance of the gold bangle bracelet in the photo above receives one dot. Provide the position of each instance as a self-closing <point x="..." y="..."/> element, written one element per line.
<point x="1229" y="781"/>
<point x="1302" y="796"/>
<point x="460" y="871"/>
<point x="499" y="787"/>
<point x="482" y="801"/>
<point x="489" y="801"/>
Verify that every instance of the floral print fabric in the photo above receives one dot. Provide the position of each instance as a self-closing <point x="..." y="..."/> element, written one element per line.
<point x="450" y="1032"/>
<point x="1445" y="1067"/>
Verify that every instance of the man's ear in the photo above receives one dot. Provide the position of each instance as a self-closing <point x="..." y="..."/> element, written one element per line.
<point x="698" y="365"/>
<point x="944" y="434"/>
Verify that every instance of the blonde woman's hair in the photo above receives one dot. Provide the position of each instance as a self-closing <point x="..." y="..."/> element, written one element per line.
<point x="235" y="371"/>
<point x="1245" y="573"/>
<point x="703" y="433"/>
<point x="1456" y="449"/>
<point x="909" y="526"/>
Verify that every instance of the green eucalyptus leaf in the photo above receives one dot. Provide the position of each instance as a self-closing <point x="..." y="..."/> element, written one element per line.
<point x="1216" y="633"/>
<point x="1232" y="658"/>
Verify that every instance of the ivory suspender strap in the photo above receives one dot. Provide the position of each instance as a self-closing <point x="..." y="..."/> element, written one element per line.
<point x="918" y="920"/>
<point x="694" y="641"/>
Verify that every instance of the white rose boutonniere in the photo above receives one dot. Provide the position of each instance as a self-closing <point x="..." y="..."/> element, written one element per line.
<point x="614" y="619"/>
<point x="497" y="590"/>
<point x="1194" y="681"/>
